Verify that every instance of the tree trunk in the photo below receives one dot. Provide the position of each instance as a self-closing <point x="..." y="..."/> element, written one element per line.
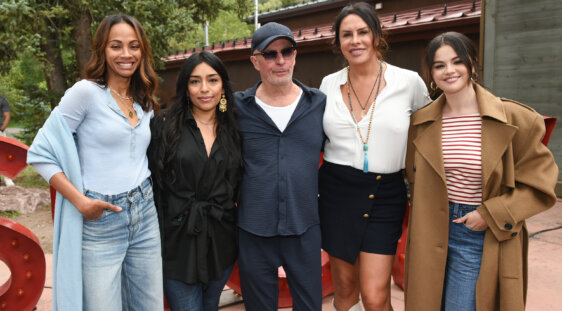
<point x="83" y="37"/>
<point x="54" y="69"/>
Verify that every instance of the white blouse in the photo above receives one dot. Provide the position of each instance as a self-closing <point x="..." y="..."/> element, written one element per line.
<point x="404" y="93"/>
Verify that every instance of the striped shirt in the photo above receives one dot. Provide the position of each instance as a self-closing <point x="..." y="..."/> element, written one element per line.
<point x="462" y="157"/>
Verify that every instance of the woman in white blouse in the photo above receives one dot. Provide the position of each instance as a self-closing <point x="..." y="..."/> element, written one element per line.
<point x="362" y="191"/>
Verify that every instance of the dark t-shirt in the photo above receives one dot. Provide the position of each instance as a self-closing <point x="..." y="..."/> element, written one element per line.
<point x="4" y="107"/>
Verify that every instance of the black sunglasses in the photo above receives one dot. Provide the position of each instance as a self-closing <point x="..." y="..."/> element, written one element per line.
<point x="272" y="54"/>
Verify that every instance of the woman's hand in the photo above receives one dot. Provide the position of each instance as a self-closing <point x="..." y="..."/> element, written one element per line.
<point x="93" y="209"/>
<point x="473" y="220"/>
<point x="90" y="209"/>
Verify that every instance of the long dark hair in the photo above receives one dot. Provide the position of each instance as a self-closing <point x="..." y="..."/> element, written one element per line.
<point x="144" y="80"/>
<point x="366" y="12"/>
<point x="226" y="125"/>
<point x="463" y="46"/>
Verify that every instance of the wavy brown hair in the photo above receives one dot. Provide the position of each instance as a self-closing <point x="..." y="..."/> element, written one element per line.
<point x="366" y="12"/>
<point x="144" y="81"/>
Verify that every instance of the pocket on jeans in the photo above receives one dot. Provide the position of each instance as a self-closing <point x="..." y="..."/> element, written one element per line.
<point x="472" y="230"/>
<point x="106" y="214"/>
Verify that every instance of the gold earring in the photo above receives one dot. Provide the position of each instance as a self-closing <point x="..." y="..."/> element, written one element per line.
<point x="222" y="104"/>
<point x="432" y="85"/>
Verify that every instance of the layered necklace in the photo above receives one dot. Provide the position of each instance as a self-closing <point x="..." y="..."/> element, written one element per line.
<point x="364" y="141"/>
<point x="125" y="101"/>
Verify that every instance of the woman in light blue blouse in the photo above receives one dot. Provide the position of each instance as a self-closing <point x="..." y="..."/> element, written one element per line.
<point x="92" y="149"/>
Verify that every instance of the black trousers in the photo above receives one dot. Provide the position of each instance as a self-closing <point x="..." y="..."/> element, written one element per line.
<point x="299" y="255"/>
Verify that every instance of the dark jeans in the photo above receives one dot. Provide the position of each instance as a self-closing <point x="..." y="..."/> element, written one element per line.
<point x="194" y="297"/>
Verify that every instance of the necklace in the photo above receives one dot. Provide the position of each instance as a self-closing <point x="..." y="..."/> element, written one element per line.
<point x="365" y="141"/>
<point x="122" y="100"/>
<point x="357" y="97"/>
<point x="120" y="96"/>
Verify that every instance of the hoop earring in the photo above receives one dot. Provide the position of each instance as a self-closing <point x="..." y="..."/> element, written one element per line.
<point x="432" y="85"/>
<point x="222" y="104"/>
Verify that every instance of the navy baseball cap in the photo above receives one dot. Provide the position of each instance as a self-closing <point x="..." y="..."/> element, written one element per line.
<point x="269" y="32"/>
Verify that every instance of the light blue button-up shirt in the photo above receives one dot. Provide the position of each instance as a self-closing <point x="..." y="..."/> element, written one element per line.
<point x="112" y="152"/>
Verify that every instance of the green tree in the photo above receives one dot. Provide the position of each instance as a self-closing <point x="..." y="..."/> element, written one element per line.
<point x="269" y="5"/>
<point x="51" y="28"/>
<point x="226" y="26"/>
<point x="58" y="34"/>
<point x="26" y="90"/>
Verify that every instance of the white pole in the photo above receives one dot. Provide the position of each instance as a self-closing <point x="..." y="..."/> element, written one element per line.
<point x="256" y="15"/>
<point x="206" y="33"/>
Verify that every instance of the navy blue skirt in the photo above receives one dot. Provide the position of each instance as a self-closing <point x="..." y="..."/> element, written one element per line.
<point x="360" y="211"/>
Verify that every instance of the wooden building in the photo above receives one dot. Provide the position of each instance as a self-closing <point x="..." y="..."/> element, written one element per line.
<point x="409" y="26"/>
<point x="520" y="45"/>
<point x="523" y="58"/>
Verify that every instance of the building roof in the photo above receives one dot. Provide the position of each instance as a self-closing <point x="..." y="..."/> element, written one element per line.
<point x="421" y="23"/>
<point x="299" y="9"/>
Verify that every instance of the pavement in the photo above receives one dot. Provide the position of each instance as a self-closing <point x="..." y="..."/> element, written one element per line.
<point x="545" y="270"/>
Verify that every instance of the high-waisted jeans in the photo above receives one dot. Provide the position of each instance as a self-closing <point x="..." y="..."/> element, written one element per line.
<point x="463" y="262"/>
<point x="121" y="255"/>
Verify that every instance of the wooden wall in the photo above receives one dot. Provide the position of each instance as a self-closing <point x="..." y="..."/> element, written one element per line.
<point x="523" y="57"/>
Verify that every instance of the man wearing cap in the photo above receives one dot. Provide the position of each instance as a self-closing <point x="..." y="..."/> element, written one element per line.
<point x="281" y="124"/>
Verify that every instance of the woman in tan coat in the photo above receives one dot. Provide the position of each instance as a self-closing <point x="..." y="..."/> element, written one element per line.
<point x="477" y="169"/>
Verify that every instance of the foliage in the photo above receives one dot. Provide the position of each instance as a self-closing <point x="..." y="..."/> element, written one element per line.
<point x="27" y="70"/>
<point x="29" y="178"/>
<point x="9" y="214"/>
<point x="269" y="5"/>
<point x="227" y="26"/>
<point x="33" y="110"/>
<point x="45" y="32"/>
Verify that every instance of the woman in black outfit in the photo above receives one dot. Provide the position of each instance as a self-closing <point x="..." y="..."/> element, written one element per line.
<point x="195" y="157"/>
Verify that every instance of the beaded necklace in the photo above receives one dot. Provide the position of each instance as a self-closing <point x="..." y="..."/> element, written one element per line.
<point x="365" y="141"/>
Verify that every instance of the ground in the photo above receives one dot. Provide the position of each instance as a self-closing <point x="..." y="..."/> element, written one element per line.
<point x="39" y="222"/>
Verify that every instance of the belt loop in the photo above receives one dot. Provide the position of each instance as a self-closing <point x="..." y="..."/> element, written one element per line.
<point x="455" y="209"/>
<point x="143" y="187"/>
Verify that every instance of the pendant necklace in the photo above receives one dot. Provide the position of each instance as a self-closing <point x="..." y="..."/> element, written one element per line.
<point x="123" y="98"/>
<point x="364" y="141"/>
<point x="363" y="108"/>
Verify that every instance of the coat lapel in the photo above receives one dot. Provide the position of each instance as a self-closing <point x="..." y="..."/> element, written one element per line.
<point x="428" y="140"/>
<point x="496" y="133"/>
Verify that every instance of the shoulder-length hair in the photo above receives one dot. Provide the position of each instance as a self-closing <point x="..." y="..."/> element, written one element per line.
<point x="175" y="116"/>
<point x="366" y="12"/>
<point x="462" y="45"/>
<point x="144" y="81"/>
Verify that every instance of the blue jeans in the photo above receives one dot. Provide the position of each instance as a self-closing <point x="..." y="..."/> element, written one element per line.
<point x="194" y="297"/>
<point x="463" y="262"/>
<point x="121" y="260"/>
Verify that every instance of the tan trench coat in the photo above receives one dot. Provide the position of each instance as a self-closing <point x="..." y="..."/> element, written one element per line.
<point x="518" y="179"/>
